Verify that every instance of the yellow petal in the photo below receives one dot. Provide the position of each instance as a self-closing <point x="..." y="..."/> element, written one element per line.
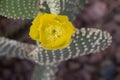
<point x="34" y="33"/>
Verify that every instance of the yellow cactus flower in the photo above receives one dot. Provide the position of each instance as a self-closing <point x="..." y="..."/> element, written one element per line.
<point x="52" y="31"/>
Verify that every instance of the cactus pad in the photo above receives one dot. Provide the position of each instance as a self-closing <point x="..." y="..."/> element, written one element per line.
<point x="66" y="7"/>
<point x="19" y="9"/>
<point x="12" y="48"/>
<point x="85" y="41"/>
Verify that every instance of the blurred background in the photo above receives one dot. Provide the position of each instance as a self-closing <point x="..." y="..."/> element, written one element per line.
<point x="105" y="65"/>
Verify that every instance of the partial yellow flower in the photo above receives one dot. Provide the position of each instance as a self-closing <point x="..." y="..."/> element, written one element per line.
<point x="52" y="31"/>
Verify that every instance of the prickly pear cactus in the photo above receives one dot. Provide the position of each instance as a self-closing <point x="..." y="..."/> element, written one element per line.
<point x="85" y="41"/>
<point x="71" y="8"/>
<point x="28" y="9"/>
<point x="66" y="7"/>
<point x="19" y="9"/>
<point x="12" y="48"/>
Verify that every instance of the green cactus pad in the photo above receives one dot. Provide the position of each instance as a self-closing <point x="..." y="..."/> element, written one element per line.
<point x="85" y="41"/>
<point x="71" y="7"/>
<point x="19" y="9"/>
<point x="66" y="7"/>
<point x="12" y="48"/>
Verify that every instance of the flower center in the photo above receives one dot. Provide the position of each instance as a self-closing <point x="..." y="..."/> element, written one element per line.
<point x="53" y="31"/>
